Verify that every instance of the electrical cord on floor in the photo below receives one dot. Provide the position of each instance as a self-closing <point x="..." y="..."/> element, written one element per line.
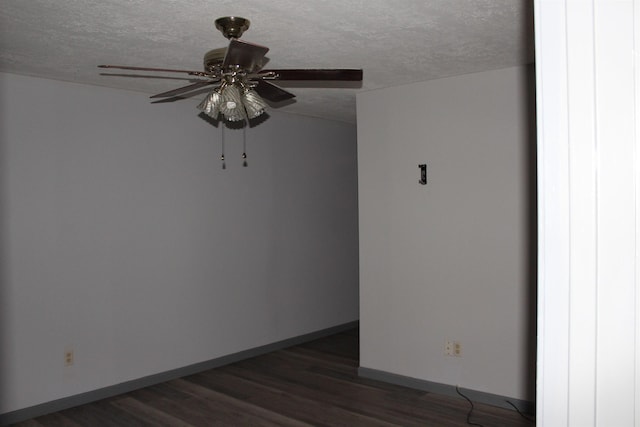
<point x="533" y="420"/>
<point x="470" y="410"/>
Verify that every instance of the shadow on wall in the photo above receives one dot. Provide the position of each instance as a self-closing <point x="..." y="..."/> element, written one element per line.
<point x="532" y="234"/>
<point x="531" y="168"/>
<point x="4" y="265"/>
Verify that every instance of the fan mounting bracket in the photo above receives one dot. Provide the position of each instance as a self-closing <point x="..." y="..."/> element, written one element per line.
<point x="232" y="27"/>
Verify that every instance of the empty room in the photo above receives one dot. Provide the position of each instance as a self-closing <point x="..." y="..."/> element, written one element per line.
<point x="319" y="213"/>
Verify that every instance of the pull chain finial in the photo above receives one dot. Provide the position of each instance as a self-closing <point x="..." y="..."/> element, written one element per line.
<point x="244" y="146"/>
<point x="224" y="164"/>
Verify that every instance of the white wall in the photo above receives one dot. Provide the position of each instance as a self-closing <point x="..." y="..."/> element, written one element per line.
<point x="588" y="100"/>
<point x="452" y="259"/>
<point x="123" y="237"/>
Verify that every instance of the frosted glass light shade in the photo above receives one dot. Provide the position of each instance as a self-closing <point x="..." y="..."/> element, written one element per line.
<point x="253" y="103"/>
<point x="210" y="105"/>
<point x="231" y="105"/>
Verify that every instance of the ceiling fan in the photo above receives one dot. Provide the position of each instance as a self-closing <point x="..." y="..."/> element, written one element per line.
<point x="241" y="83"/>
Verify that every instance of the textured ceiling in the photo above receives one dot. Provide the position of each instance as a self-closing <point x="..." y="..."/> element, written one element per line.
<point x="393" y="41"/>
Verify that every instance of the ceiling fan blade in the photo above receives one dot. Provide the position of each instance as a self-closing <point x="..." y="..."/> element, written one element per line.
<point x="148" y="76"/>
<point x="271" y="92"/>
<point x="317" y="74"/>
<point x="164" y="70"/>
<point x="184" y="89"/>
<point x="248" y="56"/>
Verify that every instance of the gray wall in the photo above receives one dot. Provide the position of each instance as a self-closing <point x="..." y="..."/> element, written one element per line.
<point x="124" y="239"/>
<point x="452" y="260"/>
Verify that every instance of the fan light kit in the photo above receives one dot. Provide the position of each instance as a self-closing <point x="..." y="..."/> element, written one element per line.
<point x="243" y="87"/>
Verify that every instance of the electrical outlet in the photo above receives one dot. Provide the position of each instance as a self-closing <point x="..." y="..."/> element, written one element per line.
<point x="452" y="348"/>
<point x="457" y="349"/>
<point x="68" y="357"/>
<point x="448" y="348"/>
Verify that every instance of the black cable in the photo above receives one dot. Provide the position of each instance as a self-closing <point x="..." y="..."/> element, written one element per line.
<point x="533" y="420"/>
<point x="470" y="410"/>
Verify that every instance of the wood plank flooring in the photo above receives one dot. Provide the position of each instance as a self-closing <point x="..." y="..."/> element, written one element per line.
<point x="314" y="384"/>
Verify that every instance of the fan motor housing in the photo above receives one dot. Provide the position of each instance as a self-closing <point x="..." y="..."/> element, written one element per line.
<point x="213" y="59"/>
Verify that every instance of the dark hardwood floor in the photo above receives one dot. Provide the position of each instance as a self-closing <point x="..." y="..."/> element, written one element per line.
<point x="311" y="384"/>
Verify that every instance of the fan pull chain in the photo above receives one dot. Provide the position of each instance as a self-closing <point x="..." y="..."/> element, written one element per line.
<point x="224" y="164"/>
<point x="244" y="146"/>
